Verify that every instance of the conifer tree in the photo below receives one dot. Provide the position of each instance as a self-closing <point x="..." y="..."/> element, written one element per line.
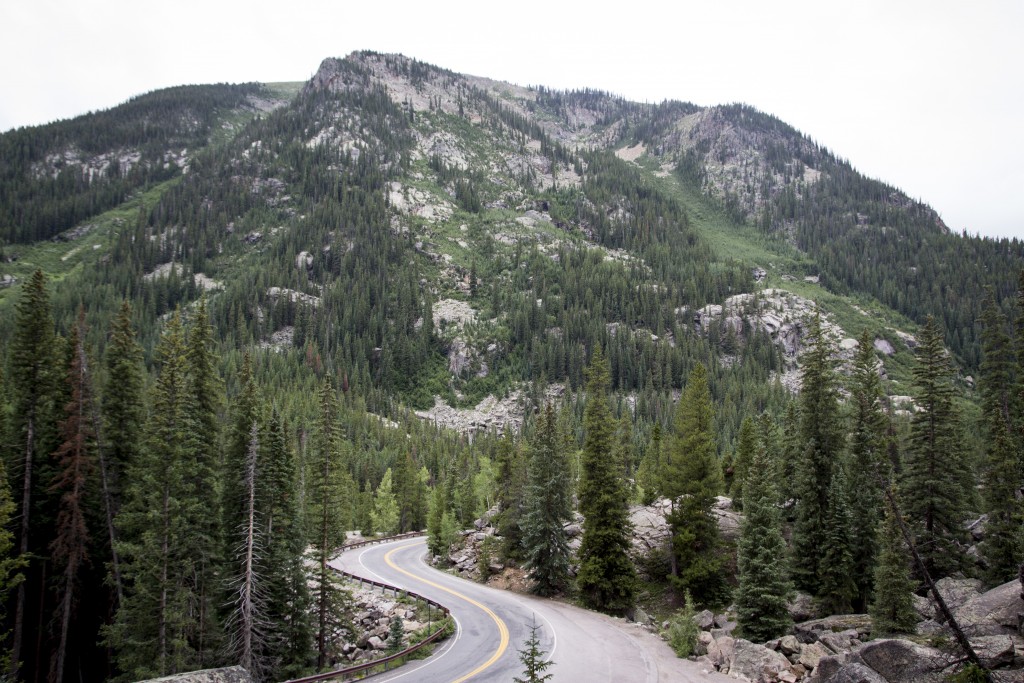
<point x="246" y="623"/>
<point x="205" y="386"/>
<point x="821" y="443"/>
<point x="547" y="509"/>
<point x="11" y="564"/>
<point x="1003" y="546"/>
<point x="691" y="479"/>
<point x="511" y="485"/>
<point x="32" y="369"/>
<point x="935" y="474"/>
<point x="532" y="658"/>
<point x="288" y="634"/>
<point x="764" y="585"/>
<point x="69" y="549"/>
<point x="123" y="413"/>
<point x="385" y="507"/>
<point x="867" y="463"/>
<point x="836" y="585"/>
<point x="648" y="473"/>
<point x="606" y="576"/>
<point x="159" y="525"/>
<point x="892" y="609"/>
<point x="746" y="446"/>
<point x="328" y="503"/>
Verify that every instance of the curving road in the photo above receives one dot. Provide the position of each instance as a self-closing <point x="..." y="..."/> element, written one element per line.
<point x="493" y="625"/>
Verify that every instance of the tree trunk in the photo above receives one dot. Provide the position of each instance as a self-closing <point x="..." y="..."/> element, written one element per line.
<point x="26" y="502"/>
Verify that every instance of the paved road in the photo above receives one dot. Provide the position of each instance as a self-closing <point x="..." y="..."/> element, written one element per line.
<point x="493" y="625"/>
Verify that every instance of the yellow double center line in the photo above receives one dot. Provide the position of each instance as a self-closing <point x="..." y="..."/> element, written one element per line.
<point x="502" y="628"/>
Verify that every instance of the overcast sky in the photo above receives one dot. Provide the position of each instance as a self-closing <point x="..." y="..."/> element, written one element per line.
<point x="924" y="94"/>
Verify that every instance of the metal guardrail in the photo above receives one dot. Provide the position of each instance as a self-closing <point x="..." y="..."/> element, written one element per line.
<point x="365" y="666"/>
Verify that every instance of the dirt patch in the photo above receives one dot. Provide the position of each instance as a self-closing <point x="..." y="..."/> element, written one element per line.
<point x="631" y="153"/>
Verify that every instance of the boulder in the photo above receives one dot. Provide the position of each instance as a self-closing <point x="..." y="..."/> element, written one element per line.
<point x="901" y="661"/>
<point x="704" y="620"/>
<point x="811" y="655"/>
<point x="703" y="640"/>
<point x="789" y="645"/>
<point x="727" y="518"/>
<point x="843" y="641"/>
<point x="993" y="613"/>
<point x="721" y="651"/>
<point x="994" y="651"/>
<point x="801" y="607"/>
<point x="956" y="592"/>
<point x="924" y="607"/>
<point x="376" y="643"/>
<point x="756" y="663"/>
<point x="810" y="631"/>
<point x="855" y="673"/>
<point x="827" y="668"/>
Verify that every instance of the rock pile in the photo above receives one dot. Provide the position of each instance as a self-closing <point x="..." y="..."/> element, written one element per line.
<point x="373" y="611"/>
<point x="838" y="649"/>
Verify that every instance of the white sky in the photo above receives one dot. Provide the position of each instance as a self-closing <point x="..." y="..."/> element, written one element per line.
<point x="924" y="94"/>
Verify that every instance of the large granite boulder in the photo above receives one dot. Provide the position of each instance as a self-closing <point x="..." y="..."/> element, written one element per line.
<point x="756" y="663"/>
<point x="901" y="661"/>
<point x="994" y="613"/>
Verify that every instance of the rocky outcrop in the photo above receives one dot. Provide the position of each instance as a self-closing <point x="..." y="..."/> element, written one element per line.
<point x="229" y="674"/>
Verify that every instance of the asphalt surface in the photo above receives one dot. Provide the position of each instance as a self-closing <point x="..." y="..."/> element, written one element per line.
<point x="493" y="626"/>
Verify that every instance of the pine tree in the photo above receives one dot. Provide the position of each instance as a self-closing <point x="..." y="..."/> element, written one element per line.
<point x="836" y="585"/>
<point x="206" y="391"/>
<point x="691" y="479"/>
<point x="409" y="493"/>
<point x="436" y="543"/>
<point x="396" y="635"/>
<point x="288" y="633"/>
<point x="648" y="473"/>
<point x="606" y="576"/>
<point x="548" y="508"/>
<point x="533" y="660"/>
<point x="122" y="411"/>
<point x="821" y="443"/>
<point x="327" y="519"/>
<point x="32" y="370"/>
<point x="1003" y="546"/>
<point x="935" y="473"/>
<point x="746" y="446"/>
<point x="246" y="624"/>
<point x="158" y="527"/>
<point x="69" y="549"/>
<point x="867" y="463"/>
<point x="764" y="585"/>
<point x="892" y="609"/>
<point x="10" y="563"/>
<point x="385" y="507"/>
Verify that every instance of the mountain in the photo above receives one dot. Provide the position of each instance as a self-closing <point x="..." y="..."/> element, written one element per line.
<point x="449" y="250"/>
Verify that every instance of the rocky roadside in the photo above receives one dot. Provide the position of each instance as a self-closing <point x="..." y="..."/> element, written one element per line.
<point x="835" y="649"/>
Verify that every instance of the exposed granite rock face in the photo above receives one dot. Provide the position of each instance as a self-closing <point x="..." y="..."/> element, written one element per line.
<point x="230" y="674"/>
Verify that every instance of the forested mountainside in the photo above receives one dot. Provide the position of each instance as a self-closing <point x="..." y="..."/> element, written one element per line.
<point x="353" y="298"/>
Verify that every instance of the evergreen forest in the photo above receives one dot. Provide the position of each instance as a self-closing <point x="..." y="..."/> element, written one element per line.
<point x="240" y="321"/>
